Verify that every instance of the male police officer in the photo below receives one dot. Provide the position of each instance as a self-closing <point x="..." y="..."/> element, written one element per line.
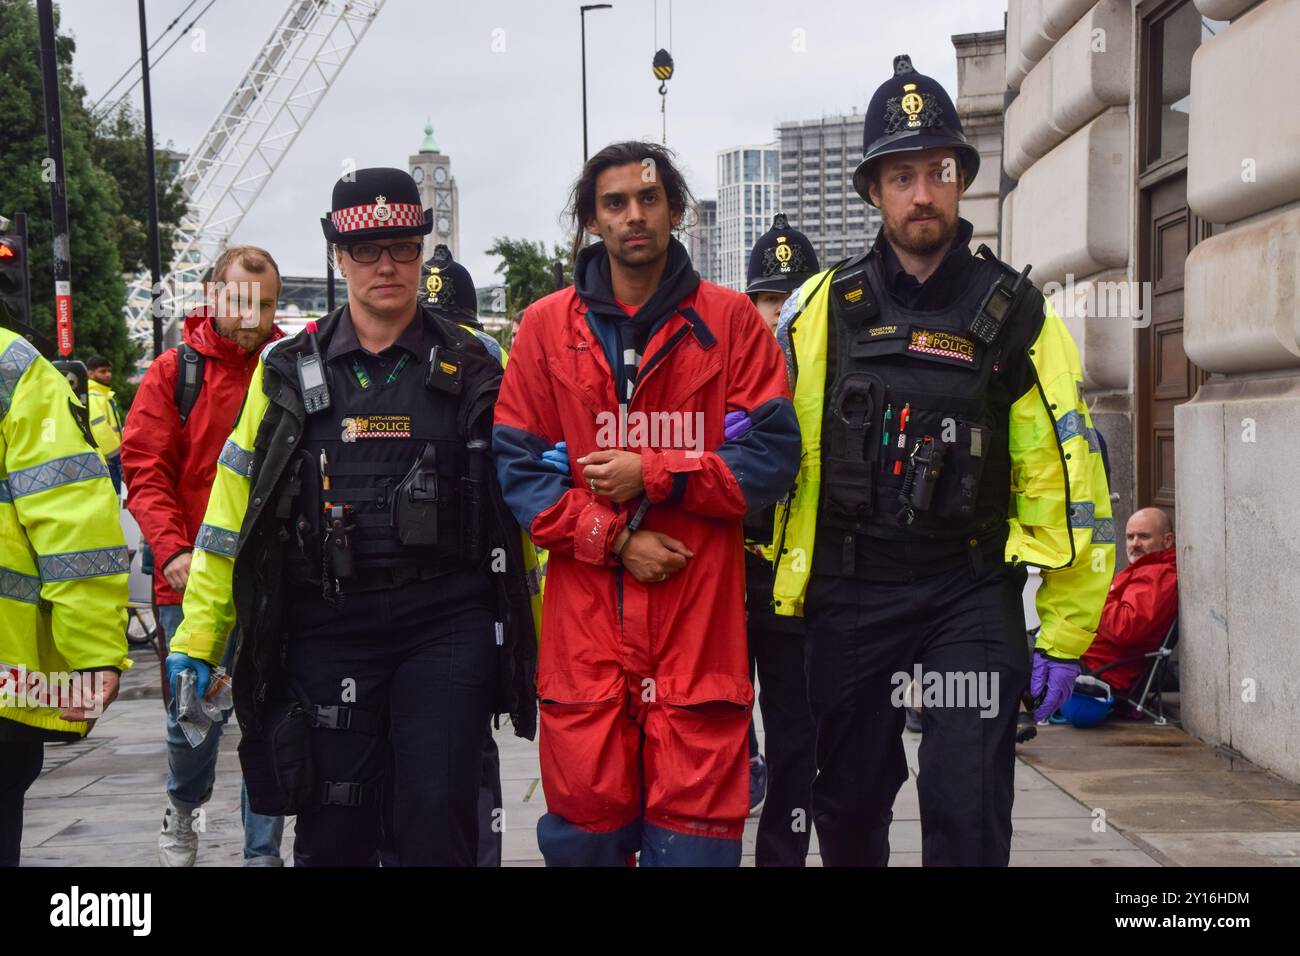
<point x="447" y="288"/>
<point x="780" y="261"/>
<point x="381" y="586"/>
<point x="955" y="449"/>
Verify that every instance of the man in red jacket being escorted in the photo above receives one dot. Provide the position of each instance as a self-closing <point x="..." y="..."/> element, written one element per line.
<point x="169" y="465"/>
<point x="672" y="398"/>
<point x="1142" y="603"/>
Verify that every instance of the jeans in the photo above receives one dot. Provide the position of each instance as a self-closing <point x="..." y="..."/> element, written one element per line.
<point x="192" y="770"/>
<point x="115" y="475"/>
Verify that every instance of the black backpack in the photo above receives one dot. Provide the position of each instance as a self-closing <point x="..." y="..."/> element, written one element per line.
<point x="189" y="379"/>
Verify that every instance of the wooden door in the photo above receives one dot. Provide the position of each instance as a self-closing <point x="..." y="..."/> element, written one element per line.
<point x="1167" y="377"/>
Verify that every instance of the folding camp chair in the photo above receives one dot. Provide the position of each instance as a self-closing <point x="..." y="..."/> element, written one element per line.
<point x="1151" y="694"/>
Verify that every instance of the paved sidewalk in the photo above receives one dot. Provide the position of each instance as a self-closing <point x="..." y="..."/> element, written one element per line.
<point x="1182" y="801"/>
<point x="100" y="802"/>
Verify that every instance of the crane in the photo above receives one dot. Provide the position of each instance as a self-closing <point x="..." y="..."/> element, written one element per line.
<point x="223" y="176"/>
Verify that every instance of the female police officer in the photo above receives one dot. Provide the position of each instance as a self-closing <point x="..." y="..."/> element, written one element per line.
<point x="380" y="584"/>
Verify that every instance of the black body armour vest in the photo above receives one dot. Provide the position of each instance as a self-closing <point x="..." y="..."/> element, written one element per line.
<point x="916" y="416"/>
<point x="395" y="460"/>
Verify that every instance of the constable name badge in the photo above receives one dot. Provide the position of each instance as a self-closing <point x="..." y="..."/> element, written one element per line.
<point x="363" y="427"/>
<point x="942" y="344"/>
<point x="882" y="330"/>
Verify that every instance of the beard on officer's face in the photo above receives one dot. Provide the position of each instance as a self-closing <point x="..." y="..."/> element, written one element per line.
<point x="922" y="231"/>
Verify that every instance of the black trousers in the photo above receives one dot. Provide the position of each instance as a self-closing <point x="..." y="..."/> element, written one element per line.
<point x="784" y="827"/>
<point x="489" y="810"/>
<point x="964" y="626"/>
<point x="20" y="765"/>
<point x="490" y="805"/>
<point x="423" y="657"/>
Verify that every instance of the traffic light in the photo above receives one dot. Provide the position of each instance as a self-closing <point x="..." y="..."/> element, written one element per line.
<point x="15" y="297"/>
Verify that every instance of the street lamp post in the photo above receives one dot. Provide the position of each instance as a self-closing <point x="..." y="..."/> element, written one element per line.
<point x="151" y="173"/>
<point x="582" y="16"/>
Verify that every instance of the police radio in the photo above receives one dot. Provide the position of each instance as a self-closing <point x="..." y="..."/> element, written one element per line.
<point x="997" y="306"/>
<point x="311" y="376"/>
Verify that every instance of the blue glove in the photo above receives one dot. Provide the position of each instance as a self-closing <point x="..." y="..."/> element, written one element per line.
<point x="1052" y="681"/>
<point x="177" y="662"/>
<point x="735" y="424"/>
<point x="557" y="458"/>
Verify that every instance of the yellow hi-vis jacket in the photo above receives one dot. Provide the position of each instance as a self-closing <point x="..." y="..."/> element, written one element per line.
<point x="105" y="419"/>
<point x="63" y="559"/>
<point x="1059" y="511"/>
<point x="209" y="604"/>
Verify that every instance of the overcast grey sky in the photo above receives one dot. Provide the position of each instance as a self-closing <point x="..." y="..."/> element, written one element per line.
<point x="511" y="121"/>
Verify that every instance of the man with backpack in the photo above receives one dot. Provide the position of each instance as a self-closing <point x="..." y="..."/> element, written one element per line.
<point x="179" y="421"/>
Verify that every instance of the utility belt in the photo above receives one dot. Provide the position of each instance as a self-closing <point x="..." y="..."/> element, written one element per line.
<point x="842" y="554"/>
<point x="303" y="586"/>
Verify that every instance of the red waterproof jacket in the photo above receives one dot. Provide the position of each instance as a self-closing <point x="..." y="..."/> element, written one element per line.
<point x="603" y="632"/>
<point x="169" y="469"/>
<point x="1141" y="605"/>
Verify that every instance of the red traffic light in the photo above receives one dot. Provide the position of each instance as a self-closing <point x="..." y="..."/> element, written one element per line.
<point x="7" y="251"/>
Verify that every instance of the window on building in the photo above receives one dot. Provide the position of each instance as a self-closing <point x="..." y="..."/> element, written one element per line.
<point x="1173" y="39"/>
<point x="753" y="168"/>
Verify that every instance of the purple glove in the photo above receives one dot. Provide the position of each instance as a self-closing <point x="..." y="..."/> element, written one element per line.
<point x="735" y="424"/>
<point x="1052" y="679"/>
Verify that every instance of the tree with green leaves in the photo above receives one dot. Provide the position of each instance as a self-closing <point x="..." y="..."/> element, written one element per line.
<point x="99" y="180"/>
<point x="118" y="149"/>
<point x="528" y="270"/>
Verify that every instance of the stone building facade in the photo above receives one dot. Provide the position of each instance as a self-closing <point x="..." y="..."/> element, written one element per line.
<point x="1151" y="164"/>
<point x="981" y="98"/>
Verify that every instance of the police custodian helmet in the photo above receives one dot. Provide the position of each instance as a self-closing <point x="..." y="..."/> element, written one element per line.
<point x="911" y="112"/>
<point x="446" y="285"/>
<point x="781" y="259"/>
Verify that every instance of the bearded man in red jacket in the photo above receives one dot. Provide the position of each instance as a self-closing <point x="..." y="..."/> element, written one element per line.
<point x="169" y="465"/>
<point x="671" y="397"/>
<point x="1142" y="603"/>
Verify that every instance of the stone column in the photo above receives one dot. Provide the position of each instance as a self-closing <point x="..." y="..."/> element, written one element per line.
<point x="1238" y="450"/>
<point x="981" y="83"/>
<point x="1067" y="143"/>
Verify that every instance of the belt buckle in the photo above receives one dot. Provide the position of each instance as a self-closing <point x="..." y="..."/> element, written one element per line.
<point x="345" y="794"/>
<point x="333" y="717"/>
